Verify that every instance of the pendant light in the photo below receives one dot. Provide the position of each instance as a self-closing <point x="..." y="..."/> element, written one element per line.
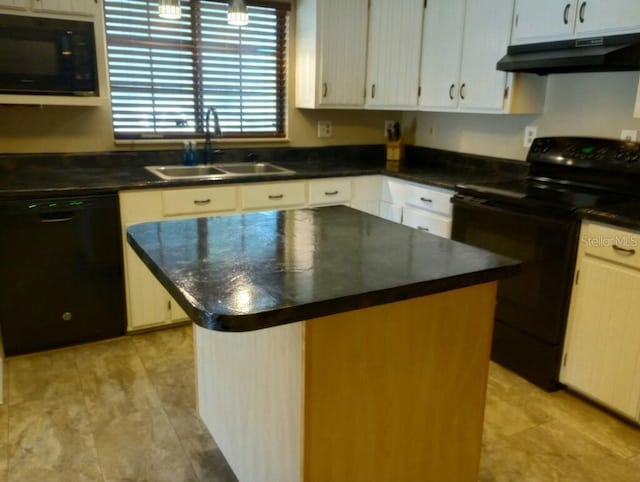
<point x="237" y="14"/>
<point x="169" y="9"/>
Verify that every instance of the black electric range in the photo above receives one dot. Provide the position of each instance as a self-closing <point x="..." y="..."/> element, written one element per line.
<point x="535" y="220"/>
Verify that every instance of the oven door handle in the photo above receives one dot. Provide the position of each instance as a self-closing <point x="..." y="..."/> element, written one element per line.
<point x="482" y="204"/>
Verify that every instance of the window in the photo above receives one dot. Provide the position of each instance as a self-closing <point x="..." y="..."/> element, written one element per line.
<point x="165" y="74"/>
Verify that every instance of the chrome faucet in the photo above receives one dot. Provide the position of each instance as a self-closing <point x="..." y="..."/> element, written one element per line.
<point x="209" y="153"/>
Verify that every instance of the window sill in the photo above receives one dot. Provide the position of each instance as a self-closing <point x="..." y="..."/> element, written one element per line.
<point x="218" y="142"/>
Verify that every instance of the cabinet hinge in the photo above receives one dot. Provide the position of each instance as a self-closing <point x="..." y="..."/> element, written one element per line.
<point x="564" y="360"/>
<point x="506" y="92"/>
<point x="369" y="5"/>
<point x="577" y="276"/>
<point x="515" y="23"/>
<point x="425" y="3"/>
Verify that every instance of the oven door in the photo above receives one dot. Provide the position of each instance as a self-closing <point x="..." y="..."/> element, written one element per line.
<point x="532" y="307"/>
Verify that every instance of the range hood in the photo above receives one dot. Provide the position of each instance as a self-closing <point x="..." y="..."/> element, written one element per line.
<point x="595" y="54"/>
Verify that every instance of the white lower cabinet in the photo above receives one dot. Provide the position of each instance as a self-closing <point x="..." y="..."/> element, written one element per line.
<point x="150" y="305"/>
<point x="418" y="206"/>
<point x="602" y="344"/>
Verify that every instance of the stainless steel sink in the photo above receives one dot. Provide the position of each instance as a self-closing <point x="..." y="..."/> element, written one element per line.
<point x="251" y="168"/>
<point x="218" y="171"/>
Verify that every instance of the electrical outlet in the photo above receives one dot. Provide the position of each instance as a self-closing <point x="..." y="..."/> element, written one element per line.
<point x="388" y="126"/>
<point x="629" y="135"/>
<point x="324" y="128"/>
<point x="530" y="133"/>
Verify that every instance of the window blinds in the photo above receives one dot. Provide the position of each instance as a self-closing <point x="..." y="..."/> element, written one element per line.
<point x="165" y="74"/>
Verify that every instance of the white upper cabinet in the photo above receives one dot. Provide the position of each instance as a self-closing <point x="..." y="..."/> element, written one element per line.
<point x="462" y="42"/>
<point x="543" y="20"/>
<point x="331" y="53"/>
<point x="551" y="20"/>
<point x="597" y="17"/>
<point x="393" y="58"/>
<point x="441" y="53"/>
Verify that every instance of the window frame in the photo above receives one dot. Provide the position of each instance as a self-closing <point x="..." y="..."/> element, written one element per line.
<point x="281" y="11"/>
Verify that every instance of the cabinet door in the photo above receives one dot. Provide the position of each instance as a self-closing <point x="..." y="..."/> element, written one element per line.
<point x="343" y="52"/>
<point x="393" y="58"/>
<point x="441" y="53"/>
<point x="543" y="20"/>
<point x="366" y="194"/>
<point x="597" y="17"/>
<point x="482" y="87"/>
<point x="603" y="339"/>
<point x="391" y="211"/>
<point x="78" y="7"/>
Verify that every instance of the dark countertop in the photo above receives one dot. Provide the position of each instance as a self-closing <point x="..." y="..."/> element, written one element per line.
<point x="53" y="175"/>
<point x="251" y="271"/>
<point x="624" y="215"/>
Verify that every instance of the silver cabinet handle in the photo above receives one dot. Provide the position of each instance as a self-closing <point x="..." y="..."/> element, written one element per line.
<point x="426" y="200"/>
<point x="462" y="89"/>
<point x="276" y="196"/>
<point x="581" y="14"/>
<point x="565" y="15"/>
<point x="422" y="228"/>
<point x="373" y="91"/>
<point x="451" y="91"/>
<point x="331" y="193"/>
<point x="623" y="251"/>
<point x="201" y="202"/>
<point x="324" y="89"/>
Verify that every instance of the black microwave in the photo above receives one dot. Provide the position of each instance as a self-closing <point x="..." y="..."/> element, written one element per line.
<point x="46" y="56"/>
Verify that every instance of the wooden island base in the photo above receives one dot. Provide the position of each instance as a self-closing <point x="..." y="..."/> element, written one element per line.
<point x="390" y="393"/>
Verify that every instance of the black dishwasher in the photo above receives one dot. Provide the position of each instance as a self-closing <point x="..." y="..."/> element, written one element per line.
<point x="61" y="271"/>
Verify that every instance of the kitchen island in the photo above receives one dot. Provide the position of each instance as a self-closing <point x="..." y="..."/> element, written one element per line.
<point x="332" y="345"/>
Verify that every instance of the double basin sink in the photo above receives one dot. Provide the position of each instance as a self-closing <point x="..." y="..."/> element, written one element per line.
<point x="218" y="171"/>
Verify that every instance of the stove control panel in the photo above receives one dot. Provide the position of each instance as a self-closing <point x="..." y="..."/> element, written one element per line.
<point x="588" y="152"/>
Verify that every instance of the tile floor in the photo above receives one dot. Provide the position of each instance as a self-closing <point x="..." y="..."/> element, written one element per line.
<point x="123" y="410"/>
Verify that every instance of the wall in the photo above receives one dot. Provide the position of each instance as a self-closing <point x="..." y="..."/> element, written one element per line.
<point x="594" y="104"/>
<point x="26" y="129"/>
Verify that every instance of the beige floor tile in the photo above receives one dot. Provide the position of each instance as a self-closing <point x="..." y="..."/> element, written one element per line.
<point x="166" y="349"/>
<point x="207" y="460"/>
<point x="553" y="451"/>
<point x="51" y="440"/>
<point x="142" y="446"/>
<point x="42" y="376"/>
<point x="116" y="386"/>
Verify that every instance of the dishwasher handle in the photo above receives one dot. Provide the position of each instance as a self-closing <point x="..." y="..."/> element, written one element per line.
<point x="55" y="216"/>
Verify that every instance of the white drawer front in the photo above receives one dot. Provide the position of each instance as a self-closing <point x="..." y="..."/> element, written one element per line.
<point x="435" y="200"/>
<point x="611" y="243"/>
<point x="429" y="222"/>
<point x="273" y="195"/>
<point x="198" y="200"/>
<point x="329" y="191"/>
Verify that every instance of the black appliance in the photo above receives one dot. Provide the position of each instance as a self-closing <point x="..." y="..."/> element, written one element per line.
<point x="61" y="271"/>
<point x="593" y="54"/>
<point x="535" y="220"/>
<point x="46" y="56"/>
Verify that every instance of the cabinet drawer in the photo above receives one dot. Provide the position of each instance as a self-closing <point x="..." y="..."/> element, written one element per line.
<point x="613" y="244"/>
<point x="428" y="198"/>
<point x="426" y="221"/>
<point x="273" y="195"/>
<point x="330" y="191"/>
<point x="198" y="200"/>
